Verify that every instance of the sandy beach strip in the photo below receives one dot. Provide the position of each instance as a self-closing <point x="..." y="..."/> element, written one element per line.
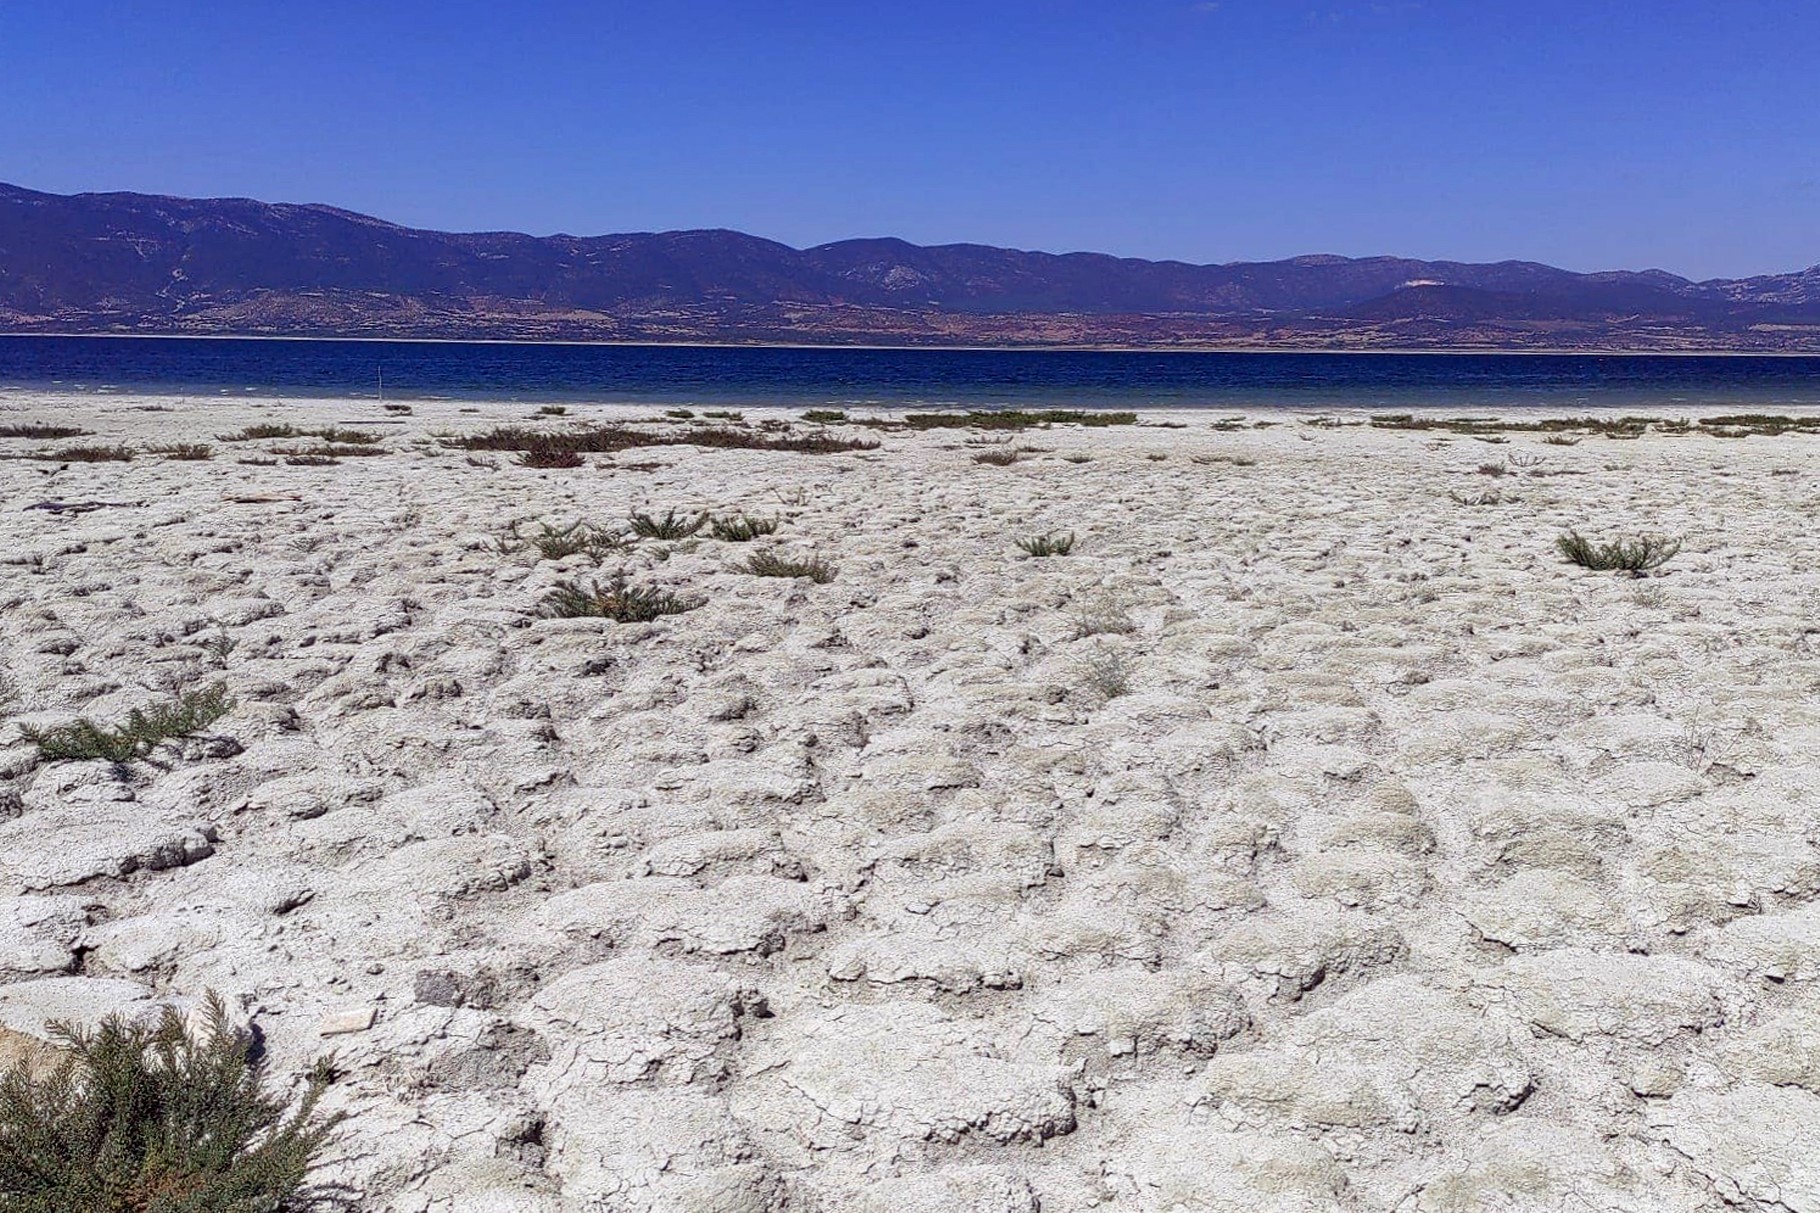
<point x="1310" y="836"/>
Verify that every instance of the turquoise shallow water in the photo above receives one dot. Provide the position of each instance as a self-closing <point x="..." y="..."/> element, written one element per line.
<point x="711" y="375"/>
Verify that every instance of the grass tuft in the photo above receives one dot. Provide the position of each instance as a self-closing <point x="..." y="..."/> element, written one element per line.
<point x="1053" y="544"/>
<point x="670" y="526"/>
<point x="1015" y="419"/>
<point x="611" y="439"/>
<point x="84" y="740"/>
<point x="45" y="433"/>
<point x="617" y="600"/>
<point x="87" y="454"/>
<point x="550" y="457"/>
<point x="557" y="543"/>
<point x="259" y="433"/>
<point x="770" y="564"/>
<point x="998" y="457"/>
<point x="826" y="416"/>
<point x="184" y="450"/>
<point x="143" y="1117"/>
<point x="1107" y="673"/>
<point x="1636" y="556"/>
<point x="742" y="529"/>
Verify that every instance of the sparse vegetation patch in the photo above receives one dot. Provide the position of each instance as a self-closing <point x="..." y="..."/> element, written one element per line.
<point x="742" y="528"/>
<point x="609" y="439"/>
<point x="44" y="433"/>
<point x="557" y="543"/>
<point x="1053" y="544"/>
<point x="618" y="600"/>
<point x="86" y="454"/>
<point x="144" y="730"/>
<point x="770" y="564"/>
<point x="1636" y="556"/>
<point x="549" y="457"/>
<point x="671" y="526"/>
<point x="157" y="1118"/>
<point x="1015" y="419"/>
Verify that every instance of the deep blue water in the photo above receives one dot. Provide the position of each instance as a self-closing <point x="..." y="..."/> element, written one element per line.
<point x="923" y="378"/>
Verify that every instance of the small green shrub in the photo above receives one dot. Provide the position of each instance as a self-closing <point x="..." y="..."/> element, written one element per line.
<point x="742" y="529"/>
<point x="550" y="457"/>
<point x="552" y="410"/>
<point x="1107" y="674"/>
<point x="343" y="437"/>
<point x="826" y="416"/>
<point x="143" y="731"/>
<point x="1015" y="419"/>
<point x="259" y="433"/>
<point x="87" y="454"/>
<point x="770" y="564"/>
<point x="1104" y="617"/>
<point x="155" y="1118"/>
<point x="45" y="433"/>
<point x="611" y="439"/>
<point x="1637" y="556"/>
<point x="679" y="414"/>
<point x="617" y="600"/>
<point x="556" y="543"/>
<point x="670" y="526"/>
<point x="1053" y="544"/>
<point x="307" y="461"/>
<point x="184" y="450"/>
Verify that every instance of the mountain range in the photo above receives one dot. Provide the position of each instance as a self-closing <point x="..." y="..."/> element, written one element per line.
<point x="137" y="263"/>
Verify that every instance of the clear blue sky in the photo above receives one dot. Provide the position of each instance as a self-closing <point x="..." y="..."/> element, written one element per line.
<point x="1587" y="133"/>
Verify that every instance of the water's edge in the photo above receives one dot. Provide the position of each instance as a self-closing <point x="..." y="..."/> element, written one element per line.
<point x="732" y="376"/>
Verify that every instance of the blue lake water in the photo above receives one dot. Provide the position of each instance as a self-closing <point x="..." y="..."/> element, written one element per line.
<point x="850" y="378"/>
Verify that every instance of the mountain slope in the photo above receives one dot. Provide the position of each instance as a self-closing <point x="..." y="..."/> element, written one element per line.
<point x="141" y="263"/>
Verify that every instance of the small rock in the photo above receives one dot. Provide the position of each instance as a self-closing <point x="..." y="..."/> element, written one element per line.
<point x="343" y="1023"/>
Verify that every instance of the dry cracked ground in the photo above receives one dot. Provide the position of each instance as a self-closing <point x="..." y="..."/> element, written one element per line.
<point x="1413" y="869"/>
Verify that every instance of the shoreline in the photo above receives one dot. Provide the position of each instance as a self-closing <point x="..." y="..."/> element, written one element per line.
<point x="1486" y="351"/>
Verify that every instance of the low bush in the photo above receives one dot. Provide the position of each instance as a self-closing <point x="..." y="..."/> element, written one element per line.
<point x="826" y="416"/>
<point x="1107" y="674"/>
<point x="770" y="564"/>
<point x="742" y="529"/>
<point x="87" y="454"/>
<point x="1015" y="419"/>
<point x="344" y="437"/>
<point x="259" y="433"/>
<point x="157" y="1118"/>
<point x="1636" y="556"/>
<point x="610" y="439"/>
<point x="45" y="433"/>
<point x="1047" y="545"/>
<point x="184" y="450"/>
<point x="618" y="600"/>
<point x="557" y="543"/>
<point x="144" y="730"/>
<point x="670" y="526"/>
<point x="549" y="457"/>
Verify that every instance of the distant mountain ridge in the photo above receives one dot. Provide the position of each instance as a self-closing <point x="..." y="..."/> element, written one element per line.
<point x="140" y="263"/>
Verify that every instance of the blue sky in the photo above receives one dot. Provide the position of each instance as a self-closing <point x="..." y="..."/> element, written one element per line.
<point x="1591" y="134"/>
